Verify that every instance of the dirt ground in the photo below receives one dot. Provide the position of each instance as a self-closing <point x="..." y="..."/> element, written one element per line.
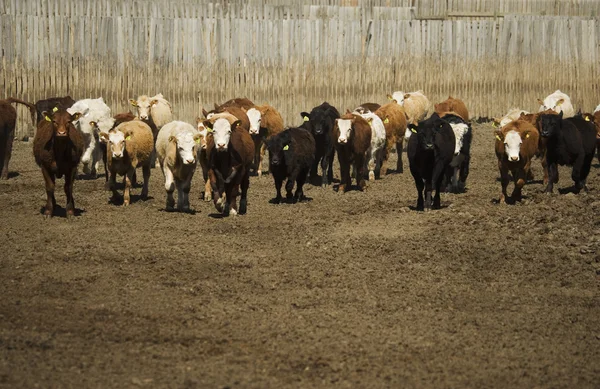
<point x="351" y="290"/>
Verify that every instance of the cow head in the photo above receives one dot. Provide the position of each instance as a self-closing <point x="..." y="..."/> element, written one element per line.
<point x="254" y="116"/>
<point x="512" y="143"/>
<point x="398" y="97"/>
<point x="460" y="130"/>
<point x="221" y="130"/>
<point x="185" y="146"/>
<point x="102" y="125"/>
<point x="427" y="130"/>
<point x="204" y="133"/>
<point x="143" y="105"/>
<point x="550" y="124"/>
<point x="319" y="121"/>
<point x="278" y="146"/>
<point x="61" y="120"/>
<point x="345" y="129"/>
<point x="115" y="140"/>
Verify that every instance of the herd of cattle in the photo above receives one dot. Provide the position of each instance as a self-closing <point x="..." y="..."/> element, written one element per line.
<point x="230" y="142"/>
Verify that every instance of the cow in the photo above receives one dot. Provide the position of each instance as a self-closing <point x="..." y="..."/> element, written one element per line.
<point x="558" y="102"/>
<point x="430" y="151"/>
<point x="231" y="153"/>
<point x="377" y="151"/>
<point x="570" y="141"/>
<point x="367" y="107"/>
<point x="205" y="140"/>
<point x="51" y="103"/>
<point x="352" y="136"/>
<point x="95" y="116"/>
<point x="416" y="105"/>
<point x="101" y="142"/>
<point x="512" y="114"/>
<point x="456" y="106"/>
<point x="534" y="119"/>
<point x="8" y="121"/>
<point x="265" y="122"/>
<point x="320" y="122"/>
<point x="57" y="147"/>
<point x="291" y="154"/>
<point x="155" y="111"/>
<point x="595" y="117"/>
<point x="177" y="147"/>
<point x="516" y="144"/>
<point x="456" y="175"/>
<point x="394" y="121"/>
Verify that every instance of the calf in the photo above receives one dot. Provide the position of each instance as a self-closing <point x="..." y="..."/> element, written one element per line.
<point x="557" y="102"/>
<point x="320" y="122"/>
<point x="394" y="121"/>
<point x="416" y="105"/>
<point x="377" y="151"/>
<point x="291" y="154"/>
<point x="430" y="151"/>
<point x="512" y="114"/>
<point x="265" y="122"/>
<point x="516" y="144"/>
<point x="534" y="119"/>
<point x="177" y="146"/>
<point x="569" y="142"/>
<point x="367" y="107"/>
<point x="130" y="145"/>
<point x="229" y="165"/>
<point x="8" y="121"/>
<point x="101" y="142"/>
<point x="155" y="111"/>
<point x="353" y="138"/>
<point x="456" y="175"/>
<point x="57" y="147"/>
<point x="51" y="103"/>
<point x="456" y="106"/>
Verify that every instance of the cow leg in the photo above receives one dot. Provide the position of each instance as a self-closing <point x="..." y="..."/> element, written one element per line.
<point x="257" y="156"/>
<point x="384" y="160"/>
<point x="245" y="184"/>
<point x="231" y="192"/>
<point x="504" y="180"/>
<point x="464" y="173"/>
<point x="112" y="185"/>
<point x="127" y="188"/>
<point x="420" y="186"/>
<point x="552" y="177"/>
<point x="359" y="166"/>
<point x="399" y="165"/>
<point x="314" y="168"/>
<point x="545" y="168"/>
<point x="428" y="188"/>
<point x="184" y="193"/>
<point x="520" y="176"/>
<point x="278" y="182"/>
<point x="585" y="170"/>
<point x="300" y="179"/>
<point x="345" y="180"/>
<point x="49" y="180"/>
<point x="69" y="179"/>
<point x="329" y="159"/>
<point x="327" y="178"/>
<point x="371" y="164"/>
<point x="170" y="188"/>
<point x="263" y="148"/>
<point x="577" y="171"/>
<point x="7" y="146"/>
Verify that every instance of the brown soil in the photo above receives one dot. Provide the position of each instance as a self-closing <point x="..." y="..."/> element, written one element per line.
<point x="349" y="290"/>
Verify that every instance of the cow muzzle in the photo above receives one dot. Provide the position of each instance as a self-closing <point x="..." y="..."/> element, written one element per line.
<point x="514" y="158"/>
<point x="429" y="146"/>
<point x="253" y="131"/>
<point x="117" y="155"/>
<point x="61" y="133"/>
<point x="190" y="161"/>
<point x="221" y="147"/>
<point x="342" y="141"/>
<point x="144" y="117"/>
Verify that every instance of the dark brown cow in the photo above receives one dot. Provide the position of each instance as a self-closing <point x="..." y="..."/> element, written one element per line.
<point x="57" y="148"/>
<point x="51" y="103"/>
<point x="456" y="106"/>
<point x="534" y="119"/>
<point x="8" y="121"/>
<point x="239" y="102"/>
<point x="352" y="137"/>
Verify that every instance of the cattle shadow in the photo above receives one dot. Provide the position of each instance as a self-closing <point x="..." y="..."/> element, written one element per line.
<point x="571" y="189"/>
<point x="13" y="175"/>
<point x="175" y="210"/>
<point x="510" y="201"/>
<point x="290" y="201"/>
<point x="217" y="215"/>
<point x="62" y="212"/>
<point x="133" y="198"/>
<point x="414" y="208"/>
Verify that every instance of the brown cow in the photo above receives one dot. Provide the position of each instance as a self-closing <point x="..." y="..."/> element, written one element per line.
<point x="516" y="144"/>
<point x="239" y="102"/>
<point x="231" y="153"/>
<point x="394" y="121"/>
<point x="8" y="121"/>
<point x="534" y="119"/>
<point x="352" y="136"/>
<point x="265" y="121"/>
<point x="456" y="106"/>
<point x="367" y="107"/>
<point x="102" y="141"/>
<point x="57" y="148"/>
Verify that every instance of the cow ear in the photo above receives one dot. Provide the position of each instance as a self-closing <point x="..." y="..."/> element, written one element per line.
<point x="216" y="106"/>
<point x="495" y="122"/>
<point x="204" y="112"/>
<point x="208" y="125"/>
<point x="413" y="128"/>
<point x="499" y="135"/>
<point x="172" y="139"/>
<point x="75" y="116"/>
<point x="133" y="102"/>
<point x="348" y="111"/>
<point x="235" y="124"/>
<point x="559" y="102"/>
<point x="103" y="137"/>
<point x="47" y="116"/>
<point x="305" y="116"/>
<point x="198" y="138"/>
<point x="153" y="102"/>
<point x="540" y="101"/>
<point x="406" y="95"/>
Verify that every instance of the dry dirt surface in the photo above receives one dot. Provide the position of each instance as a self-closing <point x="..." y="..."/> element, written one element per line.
<point x="352" y="290"/>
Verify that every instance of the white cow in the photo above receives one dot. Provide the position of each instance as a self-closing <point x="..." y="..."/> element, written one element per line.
<point x="177" y="147"/>
<point x="511" y="115"/>
<point x="558" y="101"/>
<point x="95" y="118"/>
<point x="375" y="153"/>
<point x="416" y="106"/>
<point x="155" y="111"/>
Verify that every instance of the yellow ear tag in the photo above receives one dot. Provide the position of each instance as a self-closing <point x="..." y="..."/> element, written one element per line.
<point x="47" y="118"/>
<point x="497" y="137"/>
<point x="386" y="121"/>
<point x="494" y="124"/>
<point x="128" y="137"/>
<point x="527" y="136"/>
<point x="198" y="141"/>
<point x="286" y="147"/>
<point x="413" y="130"/>
<point x="587" y="118"/>
<point x="209" y="130"/>
<point x="306" y="118"/>
<point x="54" y="109"/>
<point x="390" y="98"/>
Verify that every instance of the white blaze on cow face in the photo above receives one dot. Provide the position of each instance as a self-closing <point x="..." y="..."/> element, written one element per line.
<point x="399" y="97"/>
<point x="186" y="148"/>
<point x="143" y="108"/>
<point x="221" y="134"/>
<point x="460" y="129"/>
<point x="345" y="126"/>
<point x="116" y="142"/>
<point x="255" y="117"/>
<point x="512" y="145"/>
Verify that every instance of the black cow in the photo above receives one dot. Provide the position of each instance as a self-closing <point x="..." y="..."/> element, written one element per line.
<point x="51" y="103"/>
<point x="320" y="123"/>
<point x="430" y="151"/>
<point x="456" y="175"/>
<point x="291" y="155"/>
<point x="570" y="142"/>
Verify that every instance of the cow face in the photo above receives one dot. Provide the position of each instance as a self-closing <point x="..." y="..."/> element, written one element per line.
<point x="319" y="120"/>
<point x="398" y="97"/>
<point x="116" y="143"/>
<point x="460" y="130"/>
<point x="550" y="124"/>
<point x="512" y="145"/>
<point x="186" y="145"/>
<point x="255" y="118"/>
<point x="345" y="127"/>
<point x="204" y="132"/>
<point x="61" y="120"/>
<point x="221" y="130"/>
<point x="143" y="106"/>
<point x="278" y="146"/>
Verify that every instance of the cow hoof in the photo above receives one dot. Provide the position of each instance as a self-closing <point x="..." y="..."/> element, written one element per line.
<point x="232" y="212"/>
<point x="259" y="173"/>
<point x="207" y="197"/>
<point x="169" y="208"/>
<point x="275" y="200"/>
<point x="126" y="203"/>
<point x="371" y="176"/>
<point x="226" y="210"/>
<point x="243" y="207"/>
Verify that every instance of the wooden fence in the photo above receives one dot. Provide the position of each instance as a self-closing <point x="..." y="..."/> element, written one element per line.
<point x="297" y="56"/>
